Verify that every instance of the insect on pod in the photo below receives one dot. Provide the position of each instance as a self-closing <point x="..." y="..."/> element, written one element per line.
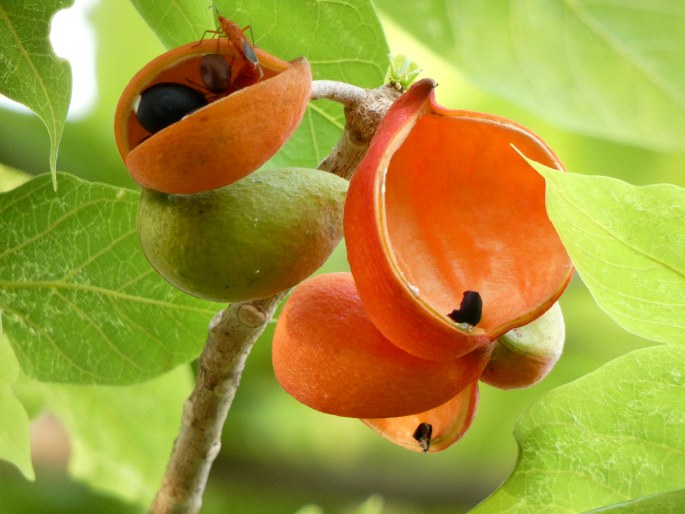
<point x="189" y="112"/>
<point x="214" y="67"/>
<point x="251" y="71"/>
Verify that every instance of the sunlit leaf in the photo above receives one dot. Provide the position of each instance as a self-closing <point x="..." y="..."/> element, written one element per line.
<point x="628" y="245"/>
<point x="30" y="72"/>
<point x="79" y="301"/>
<point x="121" y="437"/>
<point x="178" y="22"/>
<point x="612" y="69"/>
<point x="15" y="446"/>
<point x="613" y="436"/>
<point x="667" y="503"/>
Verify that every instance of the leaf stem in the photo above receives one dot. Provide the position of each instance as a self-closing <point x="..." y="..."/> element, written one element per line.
<point x="233" y="331"/>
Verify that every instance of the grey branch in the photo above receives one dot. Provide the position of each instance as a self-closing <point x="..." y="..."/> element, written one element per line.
<point x="232" y="333"/>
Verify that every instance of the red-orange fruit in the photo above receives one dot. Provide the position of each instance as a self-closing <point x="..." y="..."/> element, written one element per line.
<point x="443" y="204"/>
<point x="216" y="145"/>
<point x="328" y="355"/>
<point x="448" y="423"/>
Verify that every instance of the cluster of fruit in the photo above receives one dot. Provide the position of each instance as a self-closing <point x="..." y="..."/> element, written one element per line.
<point x="455" y="270"/>
<point x="455" y="266"/>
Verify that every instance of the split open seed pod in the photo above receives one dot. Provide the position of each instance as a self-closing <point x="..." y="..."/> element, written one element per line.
<point x="443" y="205"/>
<point x="328" y="355"/>
<point x="434" y="430"/>
<point x="214" y="145"/>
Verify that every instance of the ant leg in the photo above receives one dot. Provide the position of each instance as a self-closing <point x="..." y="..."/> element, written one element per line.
<point x="213" y="32"/>
<point x="246" y="27"/>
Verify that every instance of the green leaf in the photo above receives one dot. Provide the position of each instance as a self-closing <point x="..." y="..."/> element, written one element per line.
<point x="79" y="301"/>
<point x="15" y="444"/>
<point x="611" y="69"/>
<point x="667" y="503"/>
<point x="121" y="437"/>
<point x="31" y="72"/>
<point x="343" y="41"/>
<point x="612" y="436"/>
<point x="179" y="22"/>
<point x="628" y="245"/>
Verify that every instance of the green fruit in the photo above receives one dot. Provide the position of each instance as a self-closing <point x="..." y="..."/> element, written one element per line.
<point x="525" y="355"/>
<point x="252" y="239"/>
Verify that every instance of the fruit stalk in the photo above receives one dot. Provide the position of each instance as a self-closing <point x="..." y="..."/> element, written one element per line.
<point x="364" y="109"/>
<point x="233" y="331"/>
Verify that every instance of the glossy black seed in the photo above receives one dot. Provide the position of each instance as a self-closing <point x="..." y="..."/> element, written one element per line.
<point x="423" y="435"/>
<point x="470" y="310"/>
<point x="166" y="103"/>
<point x="215" y="72"/>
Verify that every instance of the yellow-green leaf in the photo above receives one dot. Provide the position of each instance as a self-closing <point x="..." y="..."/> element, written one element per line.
<point x="611" y="437"/>
<point x="628" y="245"/>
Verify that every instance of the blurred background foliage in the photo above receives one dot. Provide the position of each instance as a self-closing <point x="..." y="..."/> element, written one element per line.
<point x="278" y="455"/>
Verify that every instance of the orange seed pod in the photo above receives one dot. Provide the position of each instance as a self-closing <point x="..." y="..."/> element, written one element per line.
<point x="230" y="137"/>
<point x="445" y="224"/>
<point x="434" y="430"/>
<point x="328" y="355"/>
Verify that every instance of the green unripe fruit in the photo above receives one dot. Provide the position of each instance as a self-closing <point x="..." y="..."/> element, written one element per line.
<point x="251" y="239"/>
<point x="525" y="355"/>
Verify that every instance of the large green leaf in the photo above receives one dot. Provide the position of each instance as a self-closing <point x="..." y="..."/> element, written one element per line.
<point x="610" y="437"/>
<point x="79" y="301"/>
<point x="31" y="73"/>
<point x="121" y="437"/>
<point x="15" y="445"/>
<point x="176" y="23"/>
<point x="342" y="40"/>
<point x="628" y="244"/>
<point x="607" y="68"/>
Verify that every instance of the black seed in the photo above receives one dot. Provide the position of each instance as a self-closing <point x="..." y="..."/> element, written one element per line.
<point x="470" y="310"/>
<point x="215" y="72"/>
<point x="423" y="435"/>
<point x="166" y="103"/>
